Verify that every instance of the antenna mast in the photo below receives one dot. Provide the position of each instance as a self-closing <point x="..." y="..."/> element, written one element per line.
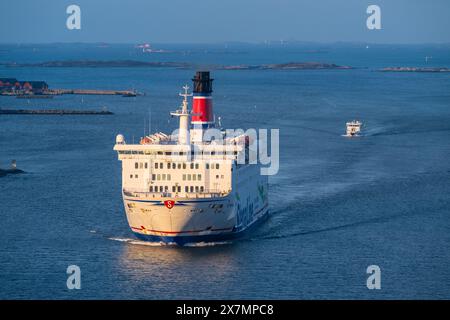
<point x="183" y="114"/>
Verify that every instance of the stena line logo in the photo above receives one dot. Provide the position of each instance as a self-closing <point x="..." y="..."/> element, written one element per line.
<point x="169" y="204"/>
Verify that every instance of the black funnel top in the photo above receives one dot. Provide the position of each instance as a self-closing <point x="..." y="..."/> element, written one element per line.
<point x="202" y="82"/>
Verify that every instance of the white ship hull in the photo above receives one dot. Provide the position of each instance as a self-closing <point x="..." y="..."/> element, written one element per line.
<point x="191" y="220"/>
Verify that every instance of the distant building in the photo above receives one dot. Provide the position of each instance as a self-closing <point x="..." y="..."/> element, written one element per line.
<point x="37" y="87"/>
<point x="7" y="83"/>
<point x="12" y="84"/>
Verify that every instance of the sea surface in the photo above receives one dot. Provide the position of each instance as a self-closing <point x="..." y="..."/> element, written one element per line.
<point x="338" y="205"/>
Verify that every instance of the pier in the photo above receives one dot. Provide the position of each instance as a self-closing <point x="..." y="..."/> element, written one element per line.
<point x="40" y="89"/>
<point x="50" y="93"/>
<point x="53" y="112"/>
<point x="128" y="93"/>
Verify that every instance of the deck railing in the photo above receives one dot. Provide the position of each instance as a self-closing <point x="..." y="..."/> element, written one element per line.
<point x="190" y="195"/>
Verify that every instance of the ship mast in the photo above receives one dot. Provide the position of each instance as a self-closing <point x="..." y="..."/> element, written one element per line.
<point x="183" y="114"/>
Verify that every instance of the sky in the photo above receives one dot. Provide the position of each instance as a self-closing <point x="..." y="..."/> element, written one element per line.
<point x="217" y="21"/>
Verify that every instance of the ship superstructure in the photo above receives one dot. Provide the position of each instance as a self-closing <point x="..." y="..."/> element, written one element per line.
<point x="353" y="128"/>
<point x="188" y="186"/>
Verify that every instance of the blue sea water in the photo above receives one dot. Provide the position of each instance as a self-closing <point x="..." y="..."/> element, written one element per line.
<point x="337" y="205"/>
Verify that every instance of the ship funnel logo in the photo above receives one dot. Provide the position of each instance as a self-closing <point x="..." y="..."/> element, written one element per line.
<point x="169" y="204"/>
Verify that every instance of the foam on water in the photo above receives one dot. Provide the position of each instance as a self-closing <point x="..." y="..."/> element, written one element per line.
<point x="143" y="243"/>
<point x="207" y="244"/>
<point x="170" y="244"/>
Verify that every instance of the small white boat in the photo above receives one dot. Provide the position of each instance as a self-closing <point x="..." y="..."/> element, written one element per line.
<point x="353" y="128"/>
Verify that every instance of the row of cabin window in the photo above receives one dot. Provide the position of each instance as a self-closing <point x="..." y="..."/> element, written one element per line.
<point x="193" y="177"/>
<point x="161" y="177"/>
<point x="141" y="165"/>
<point x="177" y="189"/>
<point x="160" y="165"/>
<point x="193" y="154"/>
<point x="168" y="177"/>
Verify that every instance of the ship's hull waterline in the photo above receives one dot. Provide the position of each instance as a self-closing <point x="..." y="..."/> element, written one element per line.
<point x="189" y="221"/>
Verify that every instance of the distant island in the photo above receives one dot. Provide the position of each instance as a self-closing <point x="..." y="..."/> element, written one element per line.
<point x="98" y="64"/>
<point x="287" y="66"/>
<point x="415" y="69"/>
<point x="180" y="65"/>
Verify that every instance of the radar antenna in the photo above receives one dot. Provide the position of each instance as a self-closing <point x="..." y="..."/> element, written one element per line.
<point x="185" y="95"/>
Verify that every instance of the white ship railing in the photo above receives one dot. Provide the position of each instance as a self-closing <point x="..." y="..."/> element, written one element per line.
<point x="188" y="195"/>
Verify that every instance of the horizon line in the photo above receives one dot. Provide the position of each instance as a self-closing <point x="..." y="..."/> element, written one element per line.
<point x="265" y="42"/>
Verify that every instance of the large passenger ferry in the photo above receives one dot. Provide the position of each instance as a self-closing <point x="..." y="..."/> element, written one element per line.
<point x="189" y="186"/>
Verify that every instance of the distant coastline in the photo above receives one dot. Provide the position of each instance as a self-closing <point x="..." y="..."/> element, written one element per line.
<point x="288" y="66"/>
<point x="309" y="65"/>
<point x="179" y="65"/>
<point x="98" y="64"/>
<point x="53" y="112"/>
